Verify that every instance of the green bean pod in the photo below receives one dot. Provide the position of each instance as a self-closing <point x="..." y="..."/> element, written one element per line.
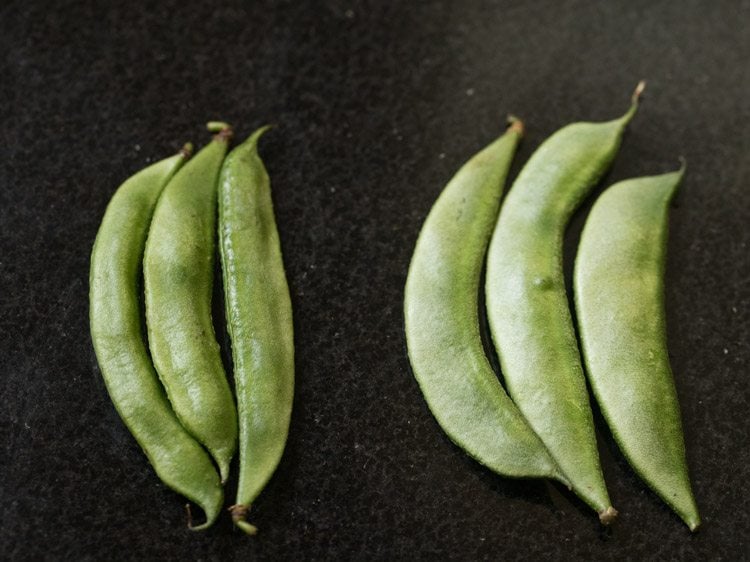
<point x="179" y="461"/>
<point x="442" y="323"/>
<point x="178" y="277"/>
<point x="619" y="296"/>
<point x="527" y="306"/>
<point x="259" y="320"/>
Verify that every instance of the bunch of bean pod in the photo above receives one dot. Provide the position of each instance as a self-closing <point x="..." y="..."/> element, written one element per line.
<point x="543" y="426"/>
<point x="172" y="392"/>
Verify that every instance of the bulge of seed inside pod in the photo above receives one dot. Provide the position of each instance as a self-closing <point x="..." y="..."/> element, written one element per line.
<point x="543" y="283"/>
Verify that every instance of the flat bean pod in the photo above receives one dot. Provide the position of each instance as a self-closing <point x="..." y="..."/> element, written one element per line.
<point x="259" y="320"/>
<point x="178" y="278"/>
<point x="179" y="461"/>
<point x="442" y="323"/>
<point x="619" y="296"/>
<point x="527" y="305"/>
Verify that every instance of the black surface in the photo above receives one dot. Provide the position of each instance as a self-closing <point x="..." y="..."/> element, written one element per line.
<point x="376" y="105"/>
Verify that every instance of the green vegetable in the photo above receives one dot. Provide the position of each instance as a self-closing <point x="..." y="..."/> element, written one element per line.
<point x="527" y="306"/>
<point x="442" y="325"/>
<point x="115" y="319"/>
<point x="619" y="293"/>
<point x="259" y="319"/>
<point x="178" y="277"/>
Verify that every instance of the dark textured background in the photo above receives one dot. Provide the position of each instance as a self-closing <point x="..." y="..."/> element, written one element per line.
<point x="377" y="104"/>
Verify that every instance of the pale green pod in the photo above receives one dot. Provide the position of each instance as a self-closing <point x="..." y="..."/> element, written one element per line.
<point x="619" y="295"/>
<point x="527" y="306"/>
<point x="178" y="279"/>
<point x="442" y="323"/>
<point x="179" y="461"/>
<point x="259" y="320"/>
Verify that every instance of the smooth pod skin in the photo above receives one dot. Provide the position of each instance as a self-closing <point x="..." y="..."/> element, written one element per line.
<point x="619" y="295"/>
<point x="442" y="323"/>
<point x="527" y="306"/>
<point x="259" y="320"/>
<point x="180" y="462"/>
<point x="178" y="277"/>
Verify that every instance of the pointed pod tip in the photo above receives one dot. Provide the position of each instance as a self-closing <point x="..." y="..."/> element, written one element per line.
<point x="224" y="471"/>
<point x="608" y="516"/>
<point x="260" y="131"/>
<point x="683" y="164"/>
<point x="252" y="141"/>
<point x="634" y="100"/>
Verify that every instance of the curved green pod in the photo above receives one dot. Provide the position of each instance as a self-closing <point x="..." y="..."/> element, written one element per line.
<point x="259" y="320"/>
<point x="442" y="323"/>
<point x="527" y="306"/>
<point x="179" y="461"/>
<point x="178" y="278"/>
<point x="619" y="296"/>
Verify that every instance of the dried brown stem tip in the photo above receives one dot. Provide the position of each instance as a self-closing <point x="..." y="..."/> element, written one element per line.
<point x="239" y="512"/>
<point x="608" y="516"/>
<point x="638" y="90"/>
<point x="187" y="150"/>
<point x="515" y="124"/>
<point x="224" y="135"/>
